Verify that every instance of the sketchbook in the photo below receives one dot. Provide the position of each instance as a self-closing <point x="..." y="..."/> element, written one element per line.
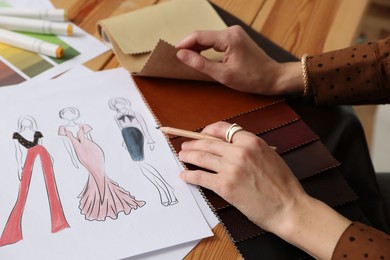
<point x="143" y="40"/>
<point x="85" y="174"/>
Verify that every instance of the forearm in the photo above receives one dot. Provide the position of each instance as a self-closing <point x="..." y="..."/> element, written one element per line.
<point x="314" y="227"/>
<point x="354" y="75"/>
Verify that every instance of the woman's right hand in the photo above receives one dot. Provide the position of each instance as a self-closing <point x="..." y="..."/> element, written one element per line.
<point x="251" y="176"/>
<point x="247" y="173"/>
<point x="245" y="66"/>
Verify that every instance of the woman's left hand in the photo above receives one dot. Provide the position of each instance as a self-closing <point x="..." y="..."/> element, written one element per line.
<point x="249" y="174"/>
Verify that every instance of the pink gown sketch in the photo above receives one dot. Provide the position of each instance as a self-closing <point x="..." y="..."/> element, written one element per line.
<point x="101" y="197"/>
<point x="13" y="230"/>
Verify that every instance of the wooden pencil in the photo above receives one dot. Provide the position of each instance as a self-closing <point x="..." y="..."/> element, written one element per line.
<point x="186" y="133"/>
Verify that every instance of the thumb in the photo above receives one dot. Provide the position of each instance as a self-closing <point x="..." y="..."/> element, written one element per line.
<point x="197" y="62"/>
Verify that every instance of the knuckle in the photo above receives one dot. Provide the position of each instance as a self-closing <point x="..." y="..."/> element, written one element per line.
<point x="227" y="187"/>
<point x="236" y="34"/>
<point x="243" y="154"/>
<point x="198" y="157"/>
<point x="258" y="144"/>
<point x="194" y="177"/>
<point x="202" y="157"/>
<point x="236" y="29"/>
<point x="214" y="129"/>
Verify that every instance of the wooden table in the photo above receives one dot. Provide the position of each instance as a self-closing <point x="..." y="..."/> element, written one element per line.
<point x="299" y="26"/>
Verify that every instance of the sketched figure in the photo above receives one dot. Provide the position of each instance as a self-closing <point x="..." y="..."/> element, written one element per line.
<point x="27" y="130"/>
<point x="133" y="128"/>
<point x="101" y="197"/>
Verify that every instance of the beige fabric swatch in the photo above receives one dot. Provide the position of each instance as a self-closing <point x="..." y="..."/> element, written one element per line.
<point x="137" y="34"/>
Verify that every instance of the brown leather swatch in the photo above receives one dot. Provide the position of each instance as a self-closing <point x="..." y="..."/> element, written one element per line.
<point x="191" y="104"/>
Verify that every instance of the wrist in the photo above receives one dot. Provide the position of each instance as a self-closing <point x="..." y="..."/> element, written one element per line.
<point x="290" y="79"/>
<point x="312" y="226"/>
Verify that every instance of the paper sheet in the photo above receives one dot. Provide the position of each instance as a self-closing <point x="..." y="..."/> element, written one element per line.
<point x="148" y="228"/>
<point x="18" y="65"/>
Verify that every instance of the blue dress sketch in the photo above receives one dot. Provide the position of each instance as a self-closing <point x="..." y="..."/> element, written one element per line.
<point x="134" y="131"/>
<point x="101" y="196"/>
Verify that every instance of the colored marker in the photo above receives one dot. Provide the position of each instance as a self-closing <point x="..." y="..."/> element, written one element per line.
<point x="45" y="14"/>
<point x="36" y="26"/>
<point x="31" y="44"/>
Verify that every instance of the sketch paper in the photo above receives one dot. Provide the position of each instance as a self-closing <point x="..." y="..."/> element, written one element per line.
<point x="180" y="251"/>
<point x="17" y="65"/>
<point x="174" y="252"/>
<point x="124" y="233"/>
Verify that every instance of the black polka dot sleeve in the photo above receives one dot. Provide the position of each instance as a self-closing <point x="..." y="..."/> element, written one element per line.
<point x="362" y="242"/>
<point x="355" y="75"/>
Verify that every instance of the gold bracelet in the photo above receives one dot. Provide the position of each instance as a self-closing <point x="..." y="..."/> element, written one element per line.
<point x="304" y="74"/>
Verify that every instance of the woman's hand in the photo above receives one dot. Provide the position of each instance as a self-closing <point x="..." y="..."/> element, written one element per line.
<point x="249" y="174"/>
<point x="245" y="67"/>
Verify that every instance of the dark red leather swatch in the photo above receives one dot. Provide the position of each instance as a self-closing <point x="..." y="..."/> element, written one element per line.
<point x="289" y="136"/>
<point x="309" y="160"/>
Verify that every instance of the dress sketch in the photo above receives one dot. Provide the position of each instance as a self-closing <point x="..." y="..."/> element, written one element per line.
<point x="101" y="197"/>
<point x="28" y="148"/>
<point x="134" y="131"/>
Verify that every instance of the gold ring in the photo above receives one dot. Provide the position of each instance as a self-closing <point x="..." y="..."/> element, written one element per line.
<point x="234" y="128"/>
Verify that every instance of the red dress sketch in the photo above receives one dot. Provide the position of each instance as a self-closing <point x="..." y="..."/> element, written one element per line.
<point x="101" y="196"/>
<point x="12" y="232"/>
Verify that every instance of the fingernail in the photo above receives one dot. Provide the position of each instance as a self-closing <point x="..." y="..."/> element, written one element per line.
<point x="184" y="145"/>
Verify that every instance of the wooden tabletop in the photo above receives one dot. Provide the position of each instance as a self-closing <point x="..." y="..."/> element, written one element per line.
<point x="300" y="26"/>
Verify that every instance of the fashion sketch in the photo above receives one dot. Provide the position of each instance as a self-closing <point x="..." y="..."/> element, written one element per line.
<point x="101" y="197"/>
<point x="134" y="131"/>
<point x="28" y="147"/>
